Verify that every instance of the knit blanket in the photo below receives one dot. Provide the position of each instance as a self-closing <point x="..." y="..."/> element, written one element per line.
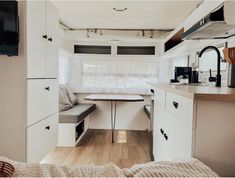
<point x="192" y="168"/>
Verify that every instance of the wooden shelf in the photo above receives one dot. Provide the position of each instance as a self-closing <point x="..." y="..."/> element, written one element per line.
<point x="174" y="40"/>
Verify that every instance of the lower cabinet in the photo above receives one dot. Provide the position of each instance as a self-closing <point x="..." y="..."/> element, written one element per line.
<point x="41" y="138"/>
<point x="172" y="126"/>
<point x="186" y="127"/>
<point x="178" y="138"/>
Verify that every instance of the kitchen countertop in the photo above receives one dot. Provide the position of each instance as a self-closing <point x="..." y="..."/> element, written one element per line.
<point x="199" y="92"/>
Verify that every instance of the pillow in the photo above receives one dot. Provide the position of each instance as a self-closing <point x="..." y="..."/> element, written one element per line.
<point x="64" y="103"/>
<point x="71" y="96"/>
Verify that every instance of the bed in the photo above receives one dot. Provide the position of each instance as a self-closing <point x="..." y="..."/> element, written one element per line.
<point x="191" y="168"/>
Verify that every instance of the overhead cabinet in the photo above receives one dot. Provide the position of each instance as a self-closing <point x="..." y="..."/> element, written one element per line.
<point x="42" y="41"/>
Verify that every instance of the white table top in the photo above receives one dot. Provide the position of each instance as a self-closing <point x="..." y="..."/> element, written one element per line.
<point x="114" y="97"/>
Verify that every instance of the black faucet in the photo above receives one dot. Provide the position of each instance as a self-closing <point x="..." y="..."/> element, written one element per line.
<point x="218" y="76"/>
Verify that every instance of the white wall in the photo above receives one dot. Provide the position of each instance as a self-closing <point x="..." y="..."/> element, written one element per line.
<point x="64" y="66"/>
<point x="13" y="98"/>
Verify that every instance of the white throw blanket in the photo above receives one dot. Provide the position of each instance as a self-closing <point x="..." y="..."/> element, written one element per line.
<point x="193" y="168"/>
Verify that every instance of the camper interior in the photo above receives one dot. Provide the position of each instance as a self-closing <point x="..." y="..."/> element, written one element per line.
<point x="140" y="88"/>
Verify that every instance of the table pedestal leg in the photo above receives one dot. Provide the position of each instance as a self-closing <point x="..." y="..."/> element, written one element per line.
<point x="113" y="117"/>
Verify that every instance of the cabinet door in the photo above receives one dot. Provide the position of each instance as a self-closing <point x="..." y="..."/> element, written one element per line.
<point x="41" y="137"/>
<point x="42" y="99"/>
<point x="36" y="44"/>
<point x="179" y="139"/>
<point x="52" y="45"/>
<point x="159" y="125"/>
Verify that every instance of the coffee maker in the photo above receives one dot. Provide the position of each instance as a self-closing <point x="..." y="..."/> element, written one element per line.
<point x="184" y="72"/>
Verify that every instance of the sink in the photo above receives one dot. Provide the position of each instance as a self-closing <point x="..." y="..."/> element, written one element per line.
<point x="191" y="84"/>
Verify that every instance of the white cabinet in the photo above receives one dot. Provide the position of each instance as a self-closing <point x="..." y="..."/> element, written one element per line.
<point x="52" y="45"/>
<point x="186" y="126"/>
<point x="41" y="138"/>
<point x="159" y="125"/>
<point x="42" y="46"/>
<point x="179" y="138"/>
<point x="30" y="101"/>
<point x="41" y="83"/>
<point x="36" y="44"/>
<point x="172" y="126"/>
<point x="42" y="99"/>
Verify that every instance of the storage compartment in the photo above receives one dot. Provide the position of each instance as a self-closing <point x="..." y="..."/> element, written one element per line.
<point x="174" y="40"/>
<point x="42" y="99"/>
<point x="179" y="139"/>
<point x="136" y="50"/>
<point x="71" y="133"/>
<point x="92" y="49"/>
<point x="79" y="130"/>
<point x="180" y="107"/>
<point x="41" y="138"/>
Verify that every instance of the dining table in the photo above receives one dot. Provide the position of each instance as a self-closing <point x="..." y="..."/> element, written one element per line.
<point x="114" y="99"/>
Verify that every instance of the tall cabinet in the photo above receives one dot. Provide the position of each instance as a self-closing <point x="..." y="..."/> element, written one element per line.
<point x="29" y="86"/>
<point x="42" y="84"/>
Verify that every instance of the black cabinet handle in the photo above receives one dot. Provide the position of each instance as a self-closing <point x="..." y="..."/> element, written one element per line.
<point x="47" y="127"/>
<point x="176" y="105"/>
<point x="44" y="36"/>
<point x="47" y="88"/>
<point x="49" y="39"/>
<point x="165" y="136"/>
<point x="162" y="132"/>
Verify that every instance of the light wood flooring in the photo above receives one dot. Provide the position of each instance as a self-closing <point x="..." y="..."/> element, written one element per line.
<point x="95" y="148"/>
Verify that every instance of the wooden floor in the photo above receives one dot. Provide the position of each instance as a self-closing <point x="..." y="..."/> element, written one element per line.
<point x="130" y="147"/>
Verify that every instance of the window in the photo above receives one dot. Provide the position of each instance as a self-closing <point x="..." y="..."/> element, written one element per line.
<point x="118" y="75"/>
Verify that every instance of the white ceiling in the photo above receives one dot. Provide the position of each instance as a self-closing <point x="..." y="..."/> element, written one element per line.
<point x="161" y="15"/>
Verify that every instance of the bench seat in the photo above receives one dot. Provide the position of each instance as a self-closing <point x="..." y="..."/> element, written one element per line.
<point x="77" y="113"/>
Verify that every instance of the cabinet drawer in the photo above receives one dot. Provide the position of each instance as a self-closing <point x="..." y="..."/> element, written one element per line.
<point x="41" y="138"/>
<point x="180" y="107"/>
<point x="42" y="99"/>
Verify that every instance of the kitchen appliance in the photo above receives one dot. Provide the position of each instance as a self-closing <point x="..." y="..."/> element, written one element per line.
<point x="183" y="73"/>
<point x="219" y="24"/>
<point x="194" y="77"/>
<point x="9" y="28"/>
<point x="229" y="56"/>
<point x="231" y="76"/>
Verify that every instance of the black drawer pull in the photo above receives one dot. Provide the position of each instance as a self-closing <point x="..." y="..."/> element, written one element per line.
<point x="176" y="105"/>
<point x="47" y="127"/>
<point x="47" y="88"/>
<point x="44" y="36"/>
<point x="165" y="136"/>
<point x="162" y="132"/>
<point x="49" y="39"/>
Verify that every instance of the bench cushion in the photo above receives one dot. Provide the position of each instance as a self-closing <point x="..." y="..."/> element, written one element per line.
<point x="77" y="113"/>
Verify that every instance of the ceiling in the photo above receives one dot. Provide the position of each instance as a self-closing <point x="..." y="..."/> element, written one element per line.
<point x="144" y="14"/>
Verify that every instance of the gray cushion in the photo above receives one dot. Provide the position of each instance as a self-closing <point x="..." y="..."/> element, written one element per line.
<point x="77" y="113"/>
<point x="71" y="96"/>
<point x="64" y="103"/>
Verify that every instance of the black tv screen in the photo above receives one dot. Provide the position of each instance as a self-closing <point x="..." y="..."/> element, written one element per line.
<point x="9" y="28"/>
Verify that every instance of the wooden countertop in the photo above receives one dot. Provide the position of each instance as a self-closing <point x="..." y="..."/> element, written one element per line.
<point x="199" y="92"/>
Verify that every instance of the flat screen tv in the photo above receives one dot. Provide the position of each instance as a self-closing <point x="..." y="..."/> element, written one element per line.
<point x="9" y="28"/>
